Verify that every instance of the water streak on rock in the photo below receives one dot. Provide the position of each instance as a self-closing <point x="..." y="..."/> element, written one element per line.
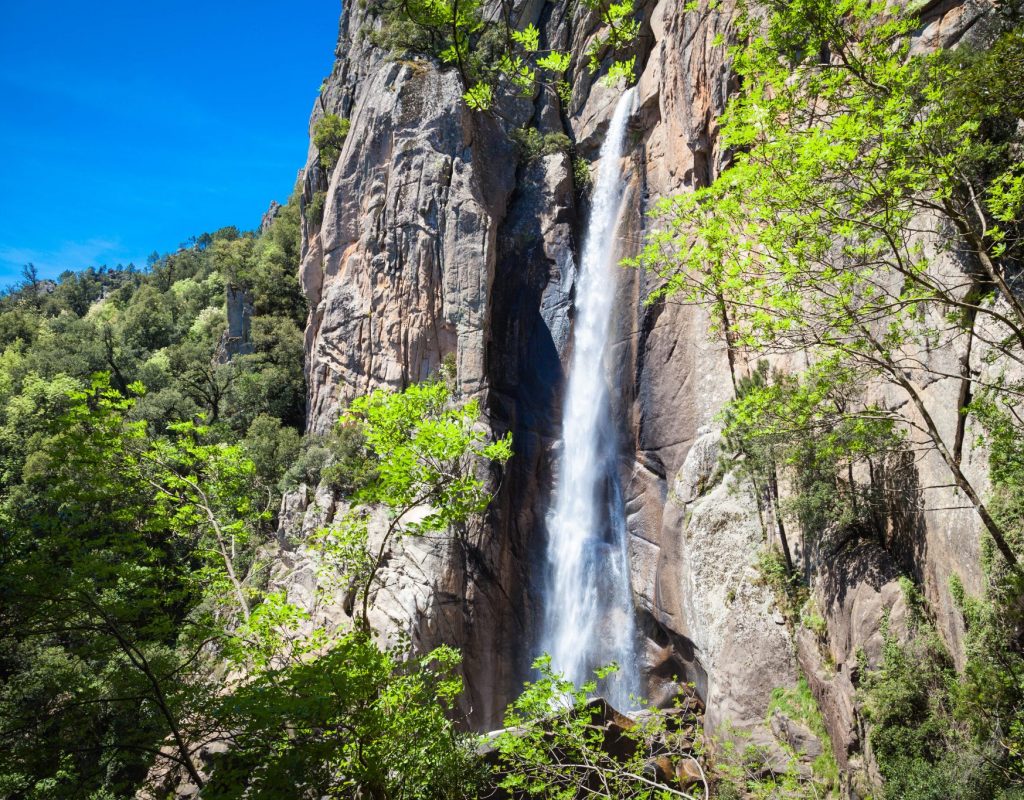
<point x="589" y="618"/>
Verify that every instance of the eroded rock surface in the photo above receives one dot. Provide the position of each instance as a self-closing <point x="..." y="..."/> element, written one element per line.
<point x="438" y="241"/>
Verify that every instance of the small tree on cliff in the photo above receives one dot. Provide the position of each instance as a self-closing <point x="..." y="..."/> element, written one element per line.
<point x="424" y="453"/>
<point x="333" y="712"/>
<point x="851" y="155"/>
<point x="329" y="137"/>
<point x="491" y="55"/>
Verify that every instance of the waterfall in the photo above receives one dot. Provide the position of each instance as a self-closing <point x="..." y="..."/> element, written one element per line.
<point x="589" y="617"/>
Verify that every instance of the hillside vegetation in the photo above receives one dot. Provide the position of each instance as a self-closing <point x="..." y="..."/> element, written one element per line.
<point x="152" y="420"/>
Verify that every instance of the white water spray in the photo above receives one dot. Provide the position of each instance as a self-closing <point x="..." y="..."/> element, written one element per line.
<point x="589" y="620"/>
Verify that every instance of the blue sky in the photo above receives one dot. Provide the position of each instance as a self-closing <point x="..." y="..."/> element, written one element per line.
<point x="127" y="127"/>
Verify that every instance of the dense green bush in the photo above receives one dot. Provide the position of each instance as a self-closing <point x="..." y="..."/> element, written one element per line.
<point x="315" y="209"/>
<point x="492" y="56"/>
<point x="329" y="136"/>
<point x="533" y="144"/>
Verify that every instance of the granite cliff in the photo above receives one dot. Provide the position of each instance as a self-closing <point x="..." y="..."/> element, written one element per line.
<point x="440" y="244"/>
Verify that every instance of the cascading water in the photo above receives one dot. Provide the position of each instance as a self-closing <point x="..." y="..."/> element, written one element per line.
<point x="589" y="620"/>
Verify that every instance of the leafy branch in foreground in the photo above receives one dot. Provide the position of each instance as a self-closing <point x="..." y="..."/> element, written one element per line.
<point x="334" y="713"/>
<point x="620" y="30"/>
<point x="354" y="721"/>
<point x="855" y="161"/>
<point x="427" y="455"/>
<point x="557" y="743"/>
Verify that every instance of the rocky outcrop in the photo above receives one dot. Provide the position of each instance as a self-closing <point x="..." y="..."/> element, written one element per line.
<point x="270" y="215"/>
<point x="437" y="241"/>
<point x="236" y="340"/>
<point x="699" y="584"/>
<point x="858" y="590"/>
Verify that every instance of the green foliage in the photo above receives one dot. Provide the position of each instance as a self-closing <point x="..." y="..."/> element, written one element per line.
<point x="799" y="704"/>
<point x="337" y="715"/>
<point x="492" y="56"/>
<point x="351" y="467"/>
<point x="206" y="492"/>
<point x="1002" y="427"/>
<point x="329" y="136"/>
<point x="812" y="430"/>
<point x="308" y="467"/>
<point x="426" y="453"/>
<point x="98" y="580"/>
<point x="405" y="451"/>
<point x="742" y="772"/>
<point x="272" y="447"/>
<point x="315" y="210"/>
<point x="621" y="28"/>
<point x="164" y="327"/>
<point x="129" y="568"/>
<point x="553" y="745"/>
<point x="810" y="241"/>
<point x="990" y="692"/>
<point x="129" y="538"/>
<point x="789" y="591"/>
<point x="479" y="96"/>
<point x="355" y="721"/>
<point x="936" y="733"/>
<point x="533" y="144"/>
<point x="581" y="177"/>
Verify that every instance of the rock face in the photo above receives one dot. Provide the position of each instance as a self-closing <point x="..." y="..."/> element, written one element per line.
<point x="707" y="589"/>
<point x="439" y="242"/>
<point x="270" y="215"/>
<point x="236" y="339"/>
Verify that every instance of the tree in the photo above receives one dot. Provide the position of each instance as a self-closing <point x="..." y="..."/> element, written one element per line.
<point x="424" y="453"/>
<point x="814" y="429"/>
<point x="95" y="596"/>
<point x="850" y="154"/>
<point x="555" y="744"/>
<point x="205" y="491"/>
<point x="206" y="381"/>
<point x="492" y="56"/>
<point x="333" y="713"/>
<point x="125" y="575"/>
<point x="356" y="721"/>
<point x="329" y="136"/>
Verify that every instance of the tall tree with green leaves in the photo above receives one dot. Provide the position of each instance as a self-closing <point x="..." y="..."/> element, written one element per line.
<point x="330" y="711"/>
<point x="96" y="588"/>
<point x="424" y="453"/>
<point x="855" y="159"/>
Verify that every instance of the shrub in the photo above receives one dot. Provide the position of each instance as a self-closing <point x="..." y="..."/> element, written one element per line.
<point x="533" y="144"/>
<point x="329" y="136"/>
<point x="273" y="447"/>
<point x="929" y="732"/>
<point x="799" y="704"/>
<point x="315" y="209"/>
<point x="581" y="175"/>
<point x="790" y="593"/>
<point x="350" y="467"/>
<point x="307" y="467"/>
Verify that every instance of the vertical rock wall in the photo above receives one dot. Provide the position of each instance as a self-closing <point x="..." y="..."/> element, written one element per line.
<point x="438" y="240"/>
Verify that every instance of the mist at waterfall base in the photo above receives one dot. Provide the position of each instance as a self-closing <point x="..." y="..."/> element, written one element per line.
<point x="589" y="616"/>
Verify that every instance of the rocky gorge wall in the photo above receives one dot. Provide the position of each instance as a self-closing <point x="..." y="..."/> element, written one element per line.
<point x="439" y="242"/>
